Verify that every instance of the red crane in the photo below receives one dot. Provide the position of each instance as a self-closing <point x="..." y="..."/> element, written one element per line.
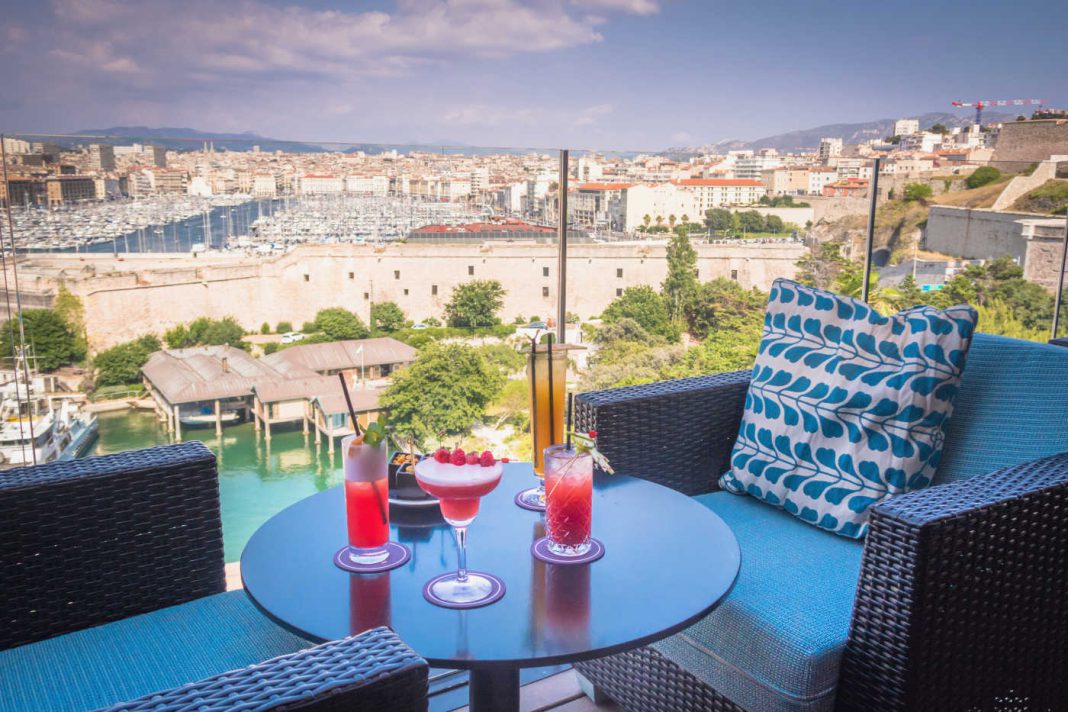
<point x="982" y="104"/>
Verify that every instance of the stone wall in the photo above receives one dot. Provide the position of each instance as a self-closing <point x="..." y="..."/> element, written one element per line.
<point x="975" y="233"/>
<point x="149" y="293"/>
<point x="1021" y="143"/>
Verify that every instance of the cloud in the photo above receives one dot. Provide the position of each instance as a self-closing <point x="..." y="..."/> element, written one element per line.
<point x="634" y="7"/>
<point x="590" y="115"/>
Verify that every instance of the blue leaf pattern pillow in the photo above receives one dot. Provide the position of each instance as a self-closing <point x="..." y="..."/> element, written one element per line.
<point x="846" y="407"/>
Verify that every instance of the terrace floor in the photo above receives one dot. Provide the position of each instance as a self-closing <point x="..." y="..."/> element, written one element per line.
<point x="559" y="692"/>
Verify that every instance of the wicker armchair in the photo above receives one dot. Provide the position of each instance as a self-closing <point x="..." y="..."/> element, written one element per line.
<point x="962" y="597"/>
<point x="112" y="595"/>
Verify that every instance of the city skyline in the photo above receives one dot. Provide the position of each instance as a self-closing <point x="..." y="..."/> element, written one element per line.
<point x="623" y="74"/>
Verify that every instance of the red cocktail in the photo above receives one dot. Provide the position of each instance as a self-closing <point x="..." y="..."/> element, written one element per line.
<point x="366" y="500"/>
<point x="568" y="499"/>
<point x="459" y="481"/>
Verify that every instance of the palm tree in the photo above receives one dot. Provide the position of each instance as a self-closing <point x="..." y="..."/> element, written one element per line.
<point x="659" y="220"/>
<point x="646" y="220"/>
<point x="672" y="220"/>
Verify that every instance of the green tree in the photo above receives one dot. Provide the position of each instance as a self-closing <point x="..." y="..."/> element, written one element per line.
<point x="939" y="129"/>
<point x="820" y="267"/>
<point x="270" y="348"/>
<point x="284" y="327"/>
<point x="911" y="294"/>
<point x="475" y="304"/>
<point x="442" y="394"/>
<point x="751" y="221"/>
<point x="206" y="332"/>
<point x="265" y="328"/>
<point x="72" y="312"/>
<point x="718" y="219"/>
<point x="982" y="176"/>
<point x="338" y="324"/>
<point x="121" y="364"/>
<point x="387" y="317"/>
<point x="672" y="220"/>
<point x="645" y="306"/>
<point x="681" y="281"/>
<point x="918" y="191"/>
<point x="723" y="305"/>
<point x="50" y="342"/>
<point x="646" y="219"/>
<point x="773" y="223"/>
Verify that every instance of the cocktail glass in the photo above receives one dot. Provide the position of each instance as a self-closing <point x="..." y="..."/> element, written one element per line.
<point x="547" y="375"/>
<point x="459" y="488"/>
<point x="366" y="500"/>
<point x="569" y="500"/>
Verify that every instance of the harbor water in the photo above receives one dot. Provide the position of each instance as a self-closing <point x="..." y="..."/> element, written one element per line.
<point x="255" y="482"/>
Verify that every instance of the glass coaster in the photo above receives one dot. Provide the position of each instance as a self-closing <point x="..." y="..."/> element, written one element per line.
<point x="496" y="591"/>
<point x="398" y="555"/>
<point x="540" y="550"/>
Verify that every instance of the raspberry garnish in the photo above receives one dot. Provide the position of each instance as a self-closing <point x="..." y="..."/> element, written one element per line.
<point x="593" y="434"/>
<point x="472" y="458"/>
<point x="486" y="460"/>
<point x="458" y="457"/>
<point x="504" y="459"/>
<point x="442" y="455"/>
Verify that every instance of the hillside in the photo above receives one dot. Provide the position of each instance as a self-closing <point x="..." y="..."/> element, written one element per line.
<point x="982" y="197"/>
<point x="1051" y="198"/>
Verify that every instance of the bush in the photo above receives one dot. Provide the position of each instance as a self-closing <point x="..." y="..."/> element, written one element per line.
<point x="206" y="332"/>
<point x="645" y="306"/>
<point x="474" y="304"/>
<point x="387" y="317"/>
<point x="339" y="324"/>
<point x="982" y="176"/>
<point x="308" y="327"/>
<point x="121" y="364"/>
<point x="265" y="328"/>
<point x="918" y="191"/>
<point x="284" y="327"/>
<point x="270" y="348"/>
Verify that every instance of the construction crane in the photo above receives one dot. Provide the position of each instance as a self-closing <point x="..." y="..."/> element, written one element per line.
<point x="982" y="104"/>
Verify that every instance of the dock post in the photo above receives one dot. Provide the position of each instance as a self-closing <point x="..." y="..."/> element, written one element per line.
<point x="256" y="414"/>
<point x="177" y="425"/>
<point x="330" y="440"/>
<point x="218" y="419"/>
<point x="267" y="428"/>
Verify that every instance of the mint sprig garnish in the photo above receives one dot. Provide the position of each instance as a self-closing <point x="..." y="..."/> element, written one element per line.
<point x="587" y="443"/>
<point x="375" y="433"/>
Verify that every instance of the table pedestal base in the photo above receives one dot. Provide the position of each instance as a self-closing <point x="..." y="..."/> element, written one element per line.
<point x="494" y="690"/>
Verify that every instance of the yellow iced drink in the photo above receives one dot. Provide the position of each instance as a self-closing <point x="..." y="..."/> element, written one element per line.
<point x="547" y="414"/>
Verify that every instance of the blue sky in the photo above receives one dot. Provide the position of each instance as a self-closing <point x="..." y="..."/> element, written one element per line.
<point x="625" y="74"/>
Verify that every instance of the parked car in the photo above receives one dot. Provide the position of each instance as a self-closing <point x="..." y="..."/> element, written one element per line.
<point x="537" y="325"/>
<point x="420" y="326"/>
<point x="292" y="337"/>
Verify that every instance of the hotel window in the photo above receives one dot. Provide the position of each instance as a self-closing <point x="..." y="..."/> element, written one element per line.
<point x="396" y="274"/>
<point x="433" y="289"/>
<point x="619" y="292"/>
<point x="544" y="291"/>
<point x="352" y="275"/>
<point x="544" y="271"/>
<point x="619" y="273"/>
<point x="470" y="269"/>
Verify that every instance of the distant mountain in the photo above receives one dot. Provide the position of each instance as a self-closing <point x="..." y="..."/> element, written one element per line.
<point x="186" y="139"/>
<point x="809" y="139"/>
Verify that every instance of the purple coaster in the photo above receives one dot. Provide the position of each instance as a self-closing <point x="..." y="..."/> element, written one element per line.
<point x="398" y="555"/>
<point x="540" y="550"/>
<point x="519" y="502"/>
<point x="496" y="591"/>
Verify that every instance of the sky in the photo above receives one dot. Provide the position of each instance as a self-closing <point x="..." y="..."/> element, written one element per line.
<point x="599" y="74"/>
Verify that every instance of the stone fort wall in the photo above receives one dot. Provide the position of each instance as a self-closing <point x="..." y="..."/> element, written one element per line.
<point x="1021" y="143"/>
<point x="140" y="294"/>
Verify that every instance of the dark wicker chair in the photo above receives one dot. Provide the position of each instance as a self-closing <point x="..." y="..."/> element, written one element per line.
<point x="962" y="598"/>
<point x="112" y="594"/>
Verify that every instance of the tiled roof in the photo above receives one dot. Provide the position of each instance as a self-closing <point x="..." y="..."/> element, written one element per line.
<point x="340" y="355"/>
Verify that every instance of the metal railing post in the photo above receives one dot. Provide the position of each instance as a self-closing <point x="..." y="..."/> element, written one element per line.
<point x="864" y="288"/>
<point x="561" y="266"/>
<point x="1060" y="283"/>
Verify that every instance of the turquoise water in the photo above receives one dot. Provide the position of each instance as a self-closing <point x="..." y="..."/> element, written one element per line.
<point x="255" y="482"/>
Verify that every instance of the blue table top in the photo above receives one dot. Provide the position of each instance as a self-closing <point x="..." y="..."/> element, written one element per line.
<point x="668" y="562"/>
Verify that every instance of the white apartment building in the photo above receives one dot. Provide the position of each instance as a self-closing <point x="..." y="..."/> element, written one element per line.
<point x="906" y="126"/>
<point x="853" y="168"/>
<point x="829" y="148"/>
<point x="200" y="186"/>
<point x="372" y="185"/>
<point x="711" y="193"/>
<point x="819" y="177"/>
<point x="15" y="145"/>
<point x="457" y="189"/>
<point x="922" y="141"/>
<point x="480" y="179"/>
<point x="785" y="181"/>
<point x="320" y="184"/>
<point x="589" y="169"/>
<point x="265" y="186"/>
<point x="657" y="201"/>
<point x="102" y="157"/>
<point x="752" y="168"/>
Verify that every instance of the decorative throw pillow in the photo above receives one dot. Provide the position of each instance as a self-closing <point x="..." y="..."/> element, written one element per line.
<point x="846" y="407"/>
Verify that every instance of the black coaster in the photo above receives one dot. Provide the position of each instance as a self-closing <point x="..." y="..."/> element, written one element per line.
<point x="398" y="555"/>
<point x="540" y="550"/>
<point x="519" y="502"/>
<point x="495" y="594"/>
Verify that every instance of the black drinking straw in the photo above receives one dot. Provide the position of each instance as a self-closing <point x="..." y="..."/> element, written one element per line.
<point x="570" y="408"/>
<point x="348" y="400"/>
<point x="552" y="410"/>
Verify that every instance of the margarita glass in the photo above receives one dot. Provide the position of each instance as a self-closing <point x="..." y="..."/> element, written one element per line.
<point x="459" y="481"/>
<point x="366" y="499"/>
<point x="569" y="500"/>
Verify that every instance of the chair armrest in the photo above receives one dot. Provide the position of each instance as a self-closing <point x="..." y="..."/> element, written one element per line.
<point x="677" y="433"/>
<point x="963" y="596"/>
<point x="371" y="671"/>
<point x="86" y="542"/>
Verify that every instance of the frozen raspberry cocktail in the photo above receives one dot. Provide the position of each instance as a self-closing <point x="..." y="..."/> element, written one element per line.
<point x="459" y="480"/>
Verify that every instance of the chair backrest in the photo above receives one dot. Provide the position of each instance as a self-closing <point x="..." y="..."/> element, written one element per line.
<point x="86" y="542"/>
<point x="1012" y="407"/>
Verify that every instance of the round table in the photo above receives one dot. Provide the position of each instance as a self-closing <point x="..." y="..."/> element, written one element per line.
<point x="668" y="562"/>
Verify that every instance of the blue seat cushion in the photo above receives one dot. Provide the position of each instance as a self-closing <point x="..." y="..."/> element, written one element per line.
<point x="126" y="659"/>
<point x="1011" y="408"/>
<point x="776" y="642"/>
